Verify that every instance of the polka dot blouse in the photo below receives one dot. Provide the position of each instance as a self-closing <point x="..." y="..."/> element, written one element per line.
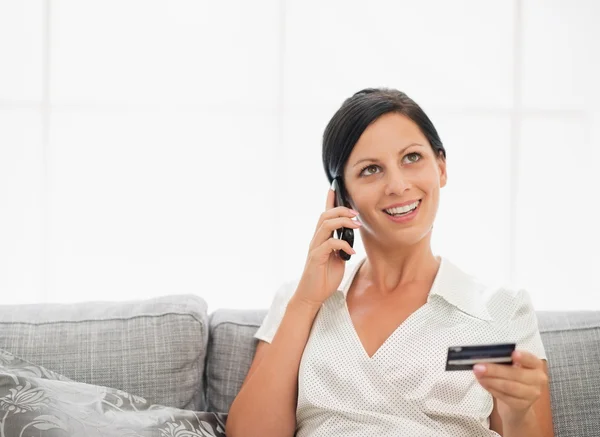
<point x="403" y="389"/>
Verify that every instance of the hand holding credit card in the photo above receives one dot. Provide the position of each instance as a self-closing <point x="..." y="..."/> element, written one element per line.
<point x="465" y="357"/>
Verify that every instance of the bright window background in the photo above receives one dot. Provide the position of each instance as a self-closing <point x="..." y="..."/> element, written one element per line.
<point x="151" y="148"/>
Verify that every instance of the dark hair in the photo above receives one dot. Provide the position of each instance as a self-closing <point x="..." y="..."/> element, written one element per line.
<point x="357" y="113"/>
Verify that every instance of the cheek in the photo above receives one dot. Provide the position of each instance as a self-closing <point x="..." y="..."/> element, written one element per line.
<point x="363" y="203"/>
<point x="430" y="187"/>
<point x="366" y="205"/>
<point x="428" y="183"/>
<point x="428" y="180"/>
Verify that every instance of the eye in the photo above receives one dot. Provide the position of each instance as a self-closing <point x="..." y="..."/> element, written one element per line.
<point x="413" y="157"/>
<point x="369" y="170"/>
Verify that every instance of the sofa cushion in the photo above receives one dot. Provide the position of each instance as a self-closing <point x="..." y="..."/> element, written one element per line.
<point x="231" y="349"/>
<point x="34" y="397"/>
<point x="154" y="348"/>
<point x="572" y="343"/>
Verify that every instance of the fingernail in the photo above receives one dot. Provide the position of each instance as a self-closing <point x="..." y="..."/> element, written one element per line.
<point x="517" y="355"/>
<point x="479" y="368"/>
<point x="332" y="188"/>
<point x="354" y="212"/>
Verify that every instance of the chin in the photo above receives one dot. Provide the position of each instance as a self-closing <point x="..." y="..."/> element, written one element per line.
<point x="410" y="236"/>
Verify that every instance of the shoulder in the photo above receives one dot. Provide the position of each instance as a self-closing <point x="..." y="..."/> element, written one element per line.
<point x="285" y="292"/>
<point x="507" y="303"/>
<point x="486" y="300"/>
<point x="512" y="316"/>
<point x="275" y="314"/>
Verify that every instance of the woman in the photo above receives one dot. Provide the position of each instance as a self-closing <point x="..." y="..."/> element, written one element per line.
<point x="361" y="351"/>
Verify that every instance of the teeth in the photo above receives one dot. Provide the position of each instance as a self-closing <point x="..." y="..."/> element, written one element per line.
<point x="402" y="209"/>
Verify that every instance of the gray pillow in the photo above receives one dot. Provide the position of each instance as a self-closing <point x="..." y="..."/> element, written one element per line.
<point x="44" y="403"/>
<point x="155" y="348"/>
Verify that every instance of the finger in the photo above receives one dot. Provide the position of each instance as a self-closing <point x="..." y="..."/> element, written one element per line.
<point x="329" y="226"/>
<point x="339" y="211"/>
<point x="330" y="203"/>
<point x="335" y="244"/>
<point x="510" y="400"/>
<point x="527" y="359"/>
<point x="510" y="388"/>
<point x="503" y="371"/>
<point x="331" y="245"/>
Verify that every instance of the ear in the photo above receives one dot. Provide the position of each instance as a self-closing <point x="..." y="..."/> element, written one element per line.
<point x="442" y="168"/>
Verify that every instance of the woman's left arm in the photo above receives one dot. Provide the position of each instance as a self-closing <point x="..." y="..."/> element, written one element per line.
<point x="521" y="396"/>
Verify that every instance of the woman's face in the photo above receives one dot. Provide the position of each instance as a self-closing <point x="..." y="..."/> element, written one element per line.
<point x="392" y="165"/>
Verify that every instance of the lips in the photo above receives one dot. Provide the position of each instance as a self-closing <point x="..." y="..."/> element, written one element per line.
<point x="403" y="210"/>
<point x="405" y="217"/>
<point x="399" y="205"/>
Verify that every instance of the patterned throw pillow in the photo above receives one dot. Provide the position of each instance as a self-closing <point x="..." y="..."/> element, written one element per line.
<point x="37" y="401"/>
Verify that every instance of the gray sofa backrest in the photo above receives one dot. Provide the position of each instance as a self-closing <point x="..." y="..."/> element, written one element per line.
<point x="571" y="340"/>
<point x="572" y="343"/>
<point x="153" y="348"/>
<point x="231" y="347"/>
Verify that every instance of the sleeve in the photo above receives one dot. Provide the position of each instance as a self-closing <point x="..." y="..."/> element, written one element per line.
<point x="523" y="326"/>
<point x="271" y="322"/>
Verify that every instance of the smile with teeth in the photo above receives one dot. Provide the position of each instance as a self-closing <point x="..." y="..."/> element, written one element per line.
<point x="402" y="210"/>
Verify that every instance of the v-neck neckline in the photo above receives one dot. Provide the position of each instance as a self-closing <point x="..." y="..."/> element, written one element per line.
<point x="389" y="339"/>
<point x="382" y="346"/>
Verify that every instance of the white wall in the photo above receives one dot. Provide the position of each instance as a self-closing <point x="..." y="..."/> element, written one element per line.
<point x="151" y="148"/>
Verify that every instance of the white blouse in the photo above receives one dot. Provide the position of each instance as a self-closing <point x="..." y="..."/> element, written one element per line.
<point x="403" y="389"/>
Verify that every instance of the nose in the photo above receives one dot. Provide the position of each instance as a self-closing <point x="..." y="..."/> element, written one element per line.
<point x="396" y="183"/>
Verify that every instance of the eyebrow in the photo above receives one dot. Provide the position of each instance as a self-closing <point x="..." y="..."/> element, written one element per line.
<point x="375" y="160"/>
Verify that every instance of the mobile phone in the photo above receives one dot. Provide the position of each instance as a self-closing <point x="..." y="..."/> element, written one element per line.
<point x="345" y="234"/>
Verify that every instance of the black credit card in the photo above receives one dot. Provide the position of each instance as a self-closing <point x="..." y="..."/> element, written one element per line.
<point x="465" y="357"/>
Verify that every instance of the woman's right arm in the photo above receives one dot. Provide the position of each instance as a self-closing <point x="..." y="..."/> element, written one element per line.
<point x="266" y="404"/>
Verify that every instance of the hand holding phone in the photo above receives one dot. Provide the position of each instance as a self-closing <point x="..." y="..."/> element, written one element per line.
<point x="325" y="263"/>
<point x="345" y="234"/>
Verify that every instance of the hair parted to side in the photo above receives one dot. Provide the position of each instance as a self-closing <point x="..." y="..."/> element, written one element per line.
<point x="357" y="113"/>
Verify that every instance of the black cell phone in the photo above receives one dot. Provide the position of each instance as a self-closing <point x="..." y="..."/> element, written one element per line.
<point x="345" y="234"/>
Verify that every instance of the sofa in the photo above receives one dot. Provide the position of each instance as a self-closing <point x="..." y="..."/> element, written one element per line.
<point x="170" y="351"/>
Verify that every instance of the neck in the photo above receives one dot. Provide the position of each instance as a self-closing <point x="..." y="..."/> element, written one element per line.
<point x="388" y="269"/>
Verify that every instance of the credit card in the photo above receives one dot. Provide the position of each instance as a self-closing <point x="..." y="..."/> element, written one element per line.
<point x="465" y="357"/>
